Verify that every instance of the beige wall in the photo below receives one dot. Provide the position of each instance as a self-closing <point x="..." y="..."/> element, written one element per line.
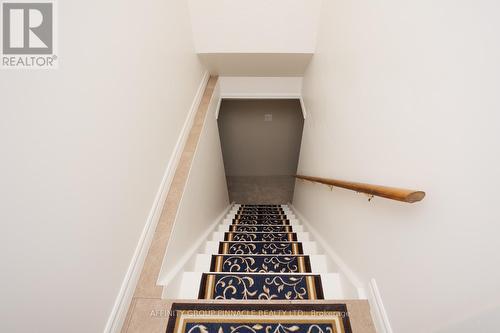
<point x="84" y="149"/>
<point x="405" y="93"/>
<point x="254" y="147"/>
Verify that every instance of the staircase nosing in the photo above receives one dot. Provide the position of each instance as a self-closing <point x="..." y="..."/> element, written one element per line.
<point x="261" y="241"/>
<point x="260" y="232"/>
<point x="261" y="254"/>
<point x="265" y="273"/>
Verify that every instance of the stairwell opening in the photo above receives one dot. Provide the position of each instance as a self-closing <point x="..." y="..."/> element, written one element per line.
<point x="260" y="140"/>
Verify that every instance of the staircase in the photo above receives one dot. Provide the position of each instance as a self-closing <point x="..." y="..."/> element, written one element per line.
<point x="260" y="272"/>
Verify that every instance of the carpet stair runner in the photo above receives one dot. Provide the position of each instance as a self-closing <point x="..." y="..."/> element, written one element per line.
<point x="260" y="258"/>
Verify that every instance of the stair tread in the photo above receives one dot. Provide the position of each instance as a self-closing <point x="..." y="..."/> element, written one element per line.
<point x="260" y="228"/>
<point x="260" y="247"/>
<point x="318" y="317"/>
<point x="260" y="286"/>
<point x="261" y="242"/>
<point x="259" y="232"/>
<point x="261" y="263"/>
<point x="260" y="236"/>
<point x="265" y="255"/>
<point x="261" y="222"/>
<point x="260" y="212"/>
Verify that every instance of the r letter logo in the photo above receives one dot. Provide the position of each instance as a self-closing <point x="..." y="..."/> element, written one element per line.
<point x="28" y="35"/>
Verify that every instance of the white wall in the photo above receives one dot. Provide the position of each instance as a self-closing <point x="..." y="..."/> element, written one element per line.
<point x="205" y="198"/>
<point x="405" y="93"/>
<point x="260" y="87"/>
<point x="83" y="151"/>
<point x="259" y="26"/>
<point x="256" y="64"/>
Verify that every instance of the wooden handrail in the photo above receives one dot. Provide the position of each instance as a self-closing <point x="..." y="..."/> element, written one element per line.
<point x="393" y="193"/>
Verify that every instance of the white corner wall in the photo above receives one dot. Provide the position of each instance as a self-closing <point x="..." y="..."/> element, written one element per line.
<point x="259" y="26"/>
<point x="84" y="149"/>
<point x="260" y="87"/>
<point x="204" y="201"/>
<point x="405" y="93"/>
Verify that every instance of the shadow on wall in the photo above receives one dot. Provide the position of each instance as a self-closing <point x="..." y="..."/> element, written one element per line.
<point x="260" y="141"/>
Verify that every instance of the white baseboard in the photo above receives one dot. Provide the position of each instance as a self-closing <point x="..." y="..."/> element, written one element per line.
<point x="191" y="252"/>
<point x="378" y="310"/>
<point x="124" y="297"/>
<point x="379" y="315"/>
<point x="330" y="252"/>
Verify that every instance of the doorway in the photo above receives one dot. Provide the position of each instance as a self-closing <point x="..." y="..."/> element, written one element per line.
<point x="260" y="140"/>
